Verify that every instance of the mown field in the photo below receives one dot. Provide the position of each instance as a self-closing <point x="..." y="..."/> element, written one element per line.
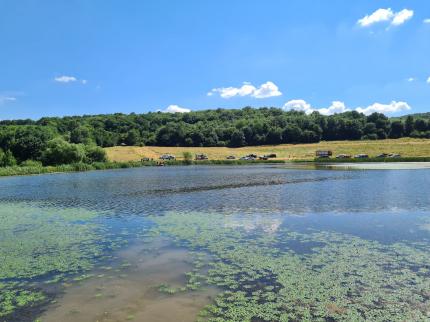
<point x="407" y="147"/>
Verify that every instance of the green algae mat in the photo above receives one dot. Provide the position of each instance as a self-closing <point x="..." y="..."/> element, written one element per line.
<point x="324" y="276"/>
<point x="40" y="246"/>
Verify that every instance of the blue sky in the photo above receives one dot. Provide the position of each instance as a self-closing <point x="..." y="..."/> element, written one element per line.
<point x="70" y="57"/>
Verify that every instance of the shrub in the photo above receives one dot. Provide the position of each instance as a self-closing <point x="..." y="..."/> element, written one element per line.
<point x="7" y="159"/>
<point x="94" y="154"/>
<point x="62" y="152"/>
<point x="188" y="157"/>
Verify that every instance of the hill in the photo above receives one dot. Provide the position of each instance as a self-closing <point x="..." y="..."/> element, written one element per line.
<point x="407" y="147"/>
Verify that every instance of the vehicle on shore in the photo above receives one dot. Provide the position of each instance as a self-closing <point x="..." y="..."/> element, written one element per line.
<point x="343" y="156"/>
<point x="201" y="156"/>
<point x="361" y="156"/>
<point x="167" y="157"/>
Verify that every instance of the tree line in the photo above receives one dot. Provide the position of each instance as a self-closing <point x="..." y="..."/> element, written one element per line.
<point x="57" y="140"/>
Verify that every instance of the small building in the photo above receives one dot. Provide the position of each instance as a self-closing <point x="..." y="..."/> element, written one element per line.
<point x="323" y="153"/>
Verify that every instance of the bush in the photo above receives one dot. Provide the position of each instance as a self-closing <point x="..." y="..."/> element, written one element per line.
<point x="188" y="157"/>
<point x="7" y="159"/>
<point x="62" y="152"/>
<point x="30" y="163"/>
<point x="94" y="154"/>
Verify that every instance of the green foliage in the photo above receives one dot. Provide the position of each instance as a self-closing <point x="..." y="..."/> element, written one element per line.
<point x="59" y="151"/>
<point x="7" y="159"/>
<point x="188" y="157"/>
<point x="94" y="154"/>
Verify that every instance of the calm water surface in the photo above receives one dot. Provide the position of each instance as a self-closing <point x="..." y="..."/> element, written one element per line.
<point x="249" y="243"/>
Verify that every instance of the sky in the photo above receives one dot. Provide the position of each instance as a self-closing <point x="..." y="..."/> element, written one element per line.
<point x="74" y="57"/>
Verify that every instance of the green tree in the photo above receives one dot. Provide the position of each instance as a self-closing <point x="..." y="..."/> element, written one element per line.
<point x="237" y="139"/>
<point x="7" y="159"/>
<point x="62" y="152"/>
<point x="409" y="125"/>
<point x="94" y="154"/>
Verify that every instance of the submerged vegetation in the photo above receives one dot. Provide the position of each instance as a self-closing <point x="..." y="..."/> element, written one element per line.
<point x="43" y="245"/>
<point x="339" y="278"/>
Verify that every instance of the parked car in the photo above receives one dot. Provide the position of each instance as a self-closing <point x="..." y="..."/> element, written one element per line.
<point x="270" y="155"/>
<point x="343" y="156"/>
<point x="201" y="156"/>
<point x="231" y="157"/>
<point x="167" y="157"/>
<point x="247" y="158"/>
<point x="252" y="155"/>
<point x="394" y="155"/>
<point x="382" y="155"/>
<point x="361" y="156"/>
<point x="263" y="157"/>
<point x="323" y="153"/>
<point x="144" y="159"/>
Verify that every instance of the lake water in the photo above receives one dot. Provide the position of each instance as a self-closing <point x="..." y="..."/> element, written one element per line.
<point x="216" y="243"/>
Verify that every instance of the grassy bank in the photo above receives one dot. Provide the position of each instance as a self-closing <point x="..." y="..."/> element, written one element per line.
<point x="406" y="147"/>
<point x="78" y="167"/>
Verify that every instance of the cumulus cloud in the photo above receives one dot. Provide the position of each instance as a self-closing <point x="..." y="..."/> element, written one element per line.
<point x="301" y="105"/>
<point x="268" y="89"/>
<point x="4" y="99"/>
<point x="428" y="80"/>
<point x="411" y="79"/>
<point x="340" y="107"/>
<point x="402" y="16"/>
<point x="426" y="20"/>
<point x="386" y="15"/>
<point x="175" y="109"/>
<point x="384" y="108"/>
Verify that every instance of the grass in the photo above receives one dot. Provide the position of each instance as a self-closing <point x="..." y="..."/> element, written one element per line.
<point x="407" y="147"/>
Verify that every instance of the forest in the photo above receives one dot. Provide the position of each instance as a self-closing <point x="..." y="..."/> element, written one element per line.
<point x="71" y="139"/>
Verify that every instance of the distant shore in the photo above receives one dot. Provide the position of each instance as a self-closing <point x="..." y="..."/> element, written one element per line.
<point x="81" y="167"/>
<point x="406" y="147"/>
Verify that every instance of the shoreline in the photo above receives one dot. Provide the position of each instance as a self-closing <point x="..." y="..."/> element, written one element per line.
<point x="82" y="167"/>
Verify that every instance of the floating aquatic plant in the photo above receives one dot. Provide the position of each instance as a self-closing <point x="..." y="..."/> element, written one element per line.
<point x="341" y="278"/>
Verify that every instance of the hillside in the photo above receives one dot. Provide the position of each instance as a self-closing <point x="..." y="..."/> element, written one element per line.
<point x="406" y="147"/>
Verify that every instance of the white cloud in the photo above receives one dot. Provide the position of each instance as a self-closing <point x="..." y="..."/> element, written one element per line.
<point x="84" y="81"/>
<point x="393" y="107"/>
<point x="386" y="15"/>
<point x="298" y="105"/>
<point x="301" y="105"/>
<point x="268" y="89"/>
<point x="176" y="109"/>
<point x="377" y="16"/>
<point x="339" y="107"/>
<point x="426" y="20"/>
<point x="428" y="80"/>
<point x="334" y="108"/>
<point x="402" y="16"/>
<point x="65" y="79"/>
<point x="411" y="79"/>
<point x="4" y="99"/>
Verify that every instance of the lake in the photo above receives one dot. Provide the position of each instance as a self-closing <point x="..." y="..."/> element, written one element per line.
<point x="216" y="243"/>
